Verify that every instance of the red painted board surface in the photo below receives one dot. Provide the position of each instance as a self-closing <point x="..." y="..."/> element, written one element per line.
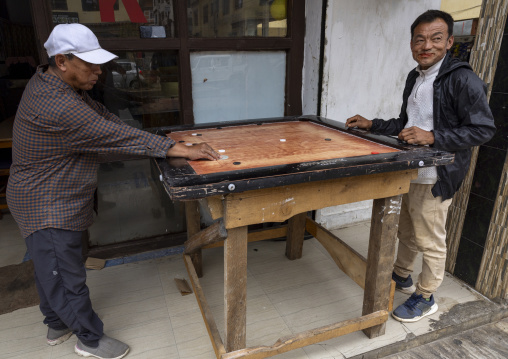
<point x="254" y="146"/>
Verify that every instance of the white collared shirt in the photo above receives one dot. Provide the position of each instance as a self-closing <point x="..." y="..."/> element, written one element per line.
<point x="420" y="112"/>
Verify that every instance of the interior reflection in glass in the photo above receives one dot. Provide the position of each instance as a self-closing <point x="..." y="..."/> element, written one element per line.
<point x="141" y="88"/>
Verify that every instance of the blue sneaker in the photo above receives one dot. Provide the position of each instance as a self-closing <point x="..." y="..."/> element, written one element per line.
<point x="415" y="308"/>
<point x="404" y="285"/>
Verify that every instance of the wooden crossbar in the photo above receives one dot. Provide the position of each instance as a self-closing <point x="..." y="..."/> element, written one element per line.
<point x="347" y="259"/>
<point x="210" y="235"/>
<point x="309" y="337"/>
<point x="211" y="326"/>
<point x="259" y="235"/>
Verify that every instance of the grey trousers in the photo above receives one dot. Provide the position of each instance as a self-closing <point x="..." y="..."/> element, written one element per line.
<point x="60" y="278"/>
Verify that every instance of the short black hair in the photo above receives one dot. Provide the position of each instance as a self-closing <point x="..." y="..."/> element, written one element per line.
<point x="430" y="16"/>
<point x="51" y="60"/>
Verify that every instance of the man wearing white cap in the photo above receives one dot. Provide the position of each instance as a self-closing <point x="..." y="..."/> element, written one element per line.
<point x="58" y="133"/>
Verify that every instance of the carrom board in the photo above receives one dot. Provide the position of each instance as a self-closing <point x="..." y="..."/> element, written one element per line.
<point x="272" y="144"/>
<point x="267" y="153"/>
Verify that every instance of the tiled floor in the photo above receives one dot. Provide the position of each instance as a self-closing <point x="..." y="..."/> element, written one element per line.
<point x="141" y="305"/>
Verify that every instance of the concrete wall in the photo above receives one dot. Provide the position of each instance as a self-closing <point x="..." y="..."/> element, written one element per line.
<point x="310" y="76"/>
<point x="367" y="58"/>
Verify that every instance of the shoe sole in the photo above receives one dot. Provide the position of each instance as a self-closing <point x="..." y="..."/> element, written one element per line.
<point x="88" y="355"/>
<point x="60" y="340"/>
<point x="406" y="290"/>
<point x="432" y="310"/>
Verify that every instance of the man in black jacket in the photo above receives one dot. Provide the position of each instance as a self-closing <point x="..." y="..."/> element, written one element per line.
<point x="444" y="106"/>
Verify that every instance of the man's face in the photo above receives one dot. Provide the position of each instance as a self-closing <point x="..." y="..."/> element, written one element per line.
<point x="430" y="43"/>
<point x="81" y="75"/>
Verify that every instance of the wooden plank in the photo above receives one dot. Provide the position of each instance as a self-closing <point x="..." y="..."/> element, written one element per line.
<point x="211" y="327"/>
<point x="278" y="204"/>
<point x="235" y="288"/>
<point x="193" y="220"/>
<point x="295" y="236"/>
<point x="213" y="206"/>
<point x="484" y="60"/>
<point x="183" y="286"/>
<point x="392" y="295"/>
<point x="268" y="233"/>
<point x="259" y="235"/>
<point x="483" y="341"/>
<point x="347" y="259"/>
<point x="309" y="337"/>
<point x="491" y="280"/>
<point x="135" y="246"/>
<point x="383" y="236"/>
<point x="493" y="273"/>
<point x="212" y="234"/>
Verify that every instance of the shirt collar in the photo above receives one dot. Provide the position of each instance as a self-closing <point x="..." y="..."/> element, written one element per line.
<point x="51" y="79"/>
<point x="431" y="71"/>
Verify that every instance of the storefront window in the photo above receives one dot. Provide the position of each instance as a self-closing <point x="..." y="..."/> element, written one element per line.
<point x="118" y="18"/>
<point x="141" y="87"/>
<point x="132" y="204"/>
<point x="231" y="86"/>
<point x="225" y="18"/>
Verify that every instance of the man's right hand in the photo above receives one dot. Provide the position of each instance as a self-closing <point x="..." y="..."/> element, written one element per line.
<point x="195" y="152"/>
<point x="358" y="121"/>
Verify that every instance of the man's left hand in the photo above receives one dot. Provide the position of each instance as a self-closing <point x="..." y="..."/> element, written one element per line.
<point x="416" y="136"/>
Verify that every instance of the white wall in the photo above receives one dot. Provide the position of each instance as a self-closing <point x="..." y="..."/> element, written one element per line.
<point x="366" y="61"/>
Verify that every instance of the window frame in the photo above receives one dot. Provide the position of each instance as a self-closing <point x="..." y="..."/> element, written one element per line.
<point x="292" y="44"/>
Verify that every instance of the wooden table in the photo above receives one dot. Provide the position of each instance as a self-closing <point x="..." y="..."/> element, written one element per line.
<point x="278" y="170"/>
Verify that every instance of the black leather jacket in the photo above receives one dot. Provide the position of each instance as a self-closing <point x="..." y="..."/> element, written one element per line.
<point x="462" y="119"/>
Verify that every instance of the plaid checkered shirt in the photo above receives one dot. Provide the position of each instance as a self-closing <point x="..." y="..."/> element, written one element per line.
<point x="57" y="137"/>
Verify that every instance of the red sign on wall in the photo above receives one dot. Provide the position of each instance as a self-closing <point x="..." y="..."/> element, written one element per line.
<point x="134" y="11"/>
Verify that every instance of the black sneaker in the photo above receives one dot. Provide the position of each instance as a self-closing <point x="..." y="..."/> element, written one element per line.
<point x="404" y="285"/>
<point x="56" y="337"/>
<point x="108" y="348"/>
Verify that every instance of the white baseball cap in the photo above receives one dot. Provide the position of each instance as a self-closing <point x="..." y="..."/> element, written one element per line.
<point x="78" y="40"/>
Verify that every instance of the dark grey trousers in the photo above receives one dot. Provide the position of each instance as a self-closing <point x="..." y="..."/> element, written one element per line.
<point x="60" y="277"/>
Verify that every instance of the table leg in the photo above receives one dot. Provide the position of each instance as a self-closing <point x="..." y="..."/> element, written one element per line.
<point x="235" y="288"/>
<point x="193" y="219"/>
<point x="383" y="235"/>
<point x="295" y="235"/>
